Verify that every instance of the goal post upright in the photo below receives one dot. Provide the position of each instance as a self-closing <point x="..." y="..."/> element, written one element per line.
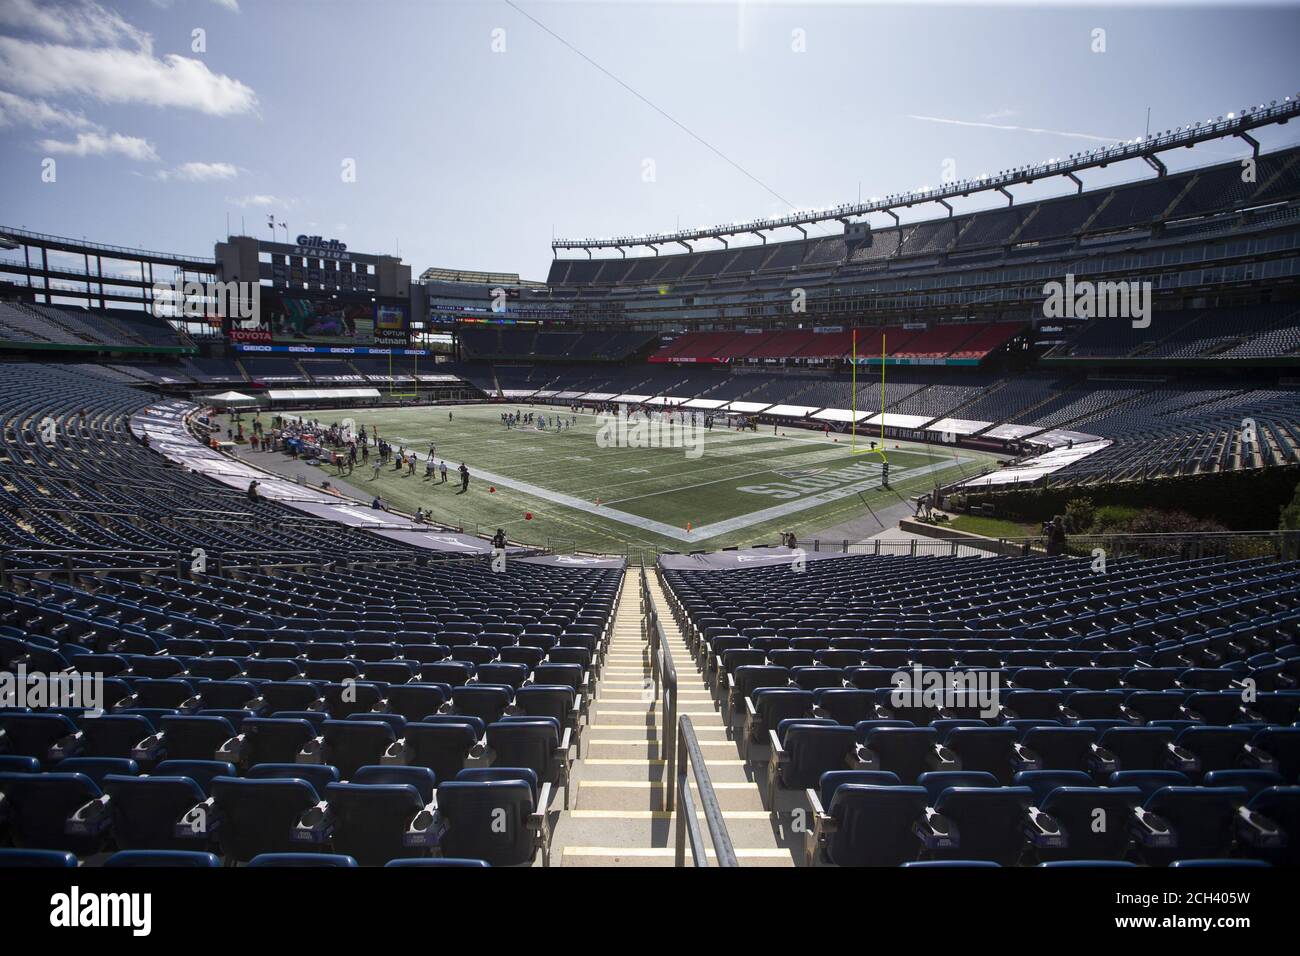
<point x="853" y="404"/>
<point x="882" y="393"/>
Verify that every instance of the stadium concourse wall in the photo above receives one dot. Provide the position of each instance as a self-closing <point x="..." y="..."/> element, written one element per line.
<point x="1239" y="500"/>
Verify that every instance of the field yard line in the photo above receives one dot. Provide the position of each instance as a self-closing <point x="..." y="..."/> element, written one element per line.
<point x="701" y="484"/>
<point x="709" y="530"/>
<point x="802" y="504"/>
<point x="797" y="458"/>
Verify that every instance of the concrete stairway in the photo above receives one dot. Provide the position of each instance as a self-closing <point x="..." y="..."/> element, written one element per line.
<point x="617" y="818"/>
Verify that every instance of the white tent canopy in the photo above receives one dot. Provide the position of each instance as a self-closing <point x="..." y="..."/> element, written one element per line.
<point x="309" y="394"/>
<point x="230" y="398"/>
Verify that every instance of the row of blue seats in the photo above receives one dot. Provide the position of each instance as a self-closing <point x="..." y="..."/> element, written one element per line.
<point x="1276" y="669"/>
<point x="442" y="743"/>
<point x="195" y="858"/>
<point x="154" y="700"/>
<point x="802" y="750"/>
<point x="870" y="818"/>
<point x="1031" y="676"/>
<point x="388" y="663"/>
<point x="765" y="705"/>
<point x="381" y="812"/>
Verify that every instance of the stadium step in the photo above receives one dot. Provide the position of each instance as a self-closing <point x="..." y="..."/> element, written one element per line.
<point x="617" y="816"/>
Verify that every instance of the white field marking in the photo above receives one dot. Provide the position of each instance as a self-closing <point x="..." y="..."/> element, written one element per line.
<point x="649" y="525"/>
<point x="704" y="532"/>
<point x="804" y="459"/>
<point x="568" y="522"/>
<point x="772" y="464"/>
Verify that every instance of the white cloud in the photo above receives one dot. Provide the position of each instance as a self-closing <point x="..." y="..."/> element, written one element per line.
<point x="82" y="23"/>
<point x="98" y="144"/>
<point x="201" y="172"/>
<point x="121" y="76"/>
<point x="262" y="199"/>
<point x="19" y="111"/>
<point x="231" y="5"/>
<point x="1003" y="113"/>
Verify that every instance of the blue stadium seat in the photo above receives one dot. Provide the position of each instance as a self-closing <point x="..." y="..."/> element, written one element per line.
<point x="260" y="815"/>
<point x="97" y="768"/>
<point x="1271" y="831"/>
<point x="802" y="751"/>
<point x="497" y="815"/>
<point x="167" y="858"/>
<point x="1185" y="823"/>
<point x="372" y="822"/>
<point x="906" y="751"/>
<point x="327" y="860"/>
<point x="55" y="811"/>
<point x="160" y="813"/>
<point x="1043" y="782"/>
<point x="867" y="826"/>
<point x="535" y="743"/>
<point x="990" y="823"/>
<point x="442" y="746"/>
<point x="439" y="861"/>
<point x="34" y="858"/>
<point x="937" y="781"/>
<point x="1096" y="821"/>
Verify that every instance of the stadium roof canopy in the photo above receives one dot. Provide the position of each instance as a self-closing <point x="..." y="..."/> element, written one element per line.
<point x="1231" y="124"/>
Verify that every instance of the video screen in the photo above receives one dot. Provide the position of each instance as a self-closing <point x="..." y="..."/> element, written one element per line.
<point x="287" y="319"/>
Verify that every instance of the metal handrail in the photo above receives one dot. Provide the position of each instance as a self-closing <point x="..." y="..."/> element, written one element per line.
<point x="687" y="824"/>
<point x="665" y="677"/>
<point x="681" y="750"/>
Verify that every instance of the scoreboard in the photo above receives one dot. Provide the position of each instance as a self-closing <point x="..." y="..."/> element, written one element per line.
<point x="315" y="264"/>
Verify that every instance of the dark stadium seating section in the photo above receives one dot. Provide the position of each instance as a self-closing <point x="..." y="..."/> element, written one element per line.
<point x="968" y="341"/>
<point x="22" y="322"/>
<point x="375" y="712"/>
<point x="1214" y="190"/>
<point x="1163" y="693"/>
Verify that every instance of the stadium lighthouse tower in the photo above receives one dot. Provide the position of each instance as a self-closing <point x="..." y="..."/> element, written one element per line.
<point x="297" y="290"/>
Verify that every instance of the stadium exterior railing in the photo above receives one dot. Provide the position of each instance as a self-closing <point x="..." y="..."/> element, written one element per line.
<point x="1282" y="545"/>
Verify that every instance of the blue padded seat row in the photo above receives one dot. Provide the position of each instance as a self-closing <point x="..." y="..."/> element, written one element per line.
<point x="33" y="858"/>
<point x="163" y="858"/>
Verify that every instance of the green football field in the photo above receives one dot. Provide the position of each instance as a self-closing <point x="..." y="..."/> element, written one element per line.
<point x="591" y="490"/>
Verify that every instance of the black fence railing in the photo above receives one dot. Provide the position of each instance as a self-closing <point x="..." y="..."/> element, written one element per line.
<point x="1275" y="545"/>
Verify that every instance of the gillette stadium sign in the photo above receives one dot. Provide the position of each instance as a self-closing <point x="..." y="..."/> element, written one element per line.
<point x="320" y="243"/>
<point x="306" y="245"/>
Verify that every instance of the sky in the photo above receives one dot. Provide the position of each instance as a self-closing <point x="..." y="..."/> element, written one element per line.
<point x="467" y="135"/>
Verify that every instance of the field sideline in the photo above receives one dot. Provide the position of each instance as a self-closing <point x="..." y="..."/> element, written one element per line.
<point x="730" y="488"/>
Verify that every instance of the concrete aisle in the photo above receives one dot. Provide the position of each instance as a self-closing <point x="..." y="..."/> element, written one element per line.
<point x="616" y="818"/>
